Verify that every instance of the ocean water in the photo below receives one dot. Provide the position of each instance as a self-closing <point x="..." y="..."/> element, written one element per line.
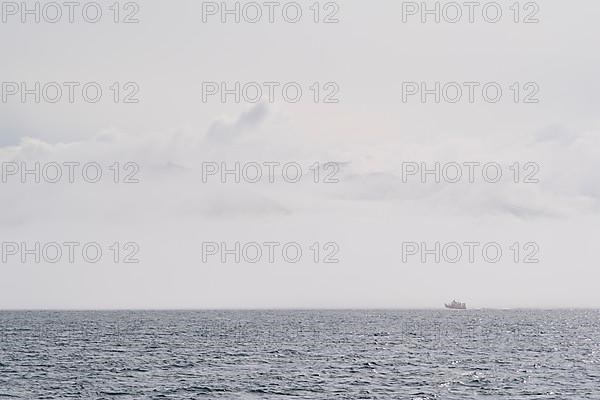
<point x="460" y="355"/>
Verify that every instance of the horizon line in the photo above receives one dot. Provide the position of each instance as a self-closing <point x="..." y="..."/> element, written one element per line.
<point x="195" y="309"/>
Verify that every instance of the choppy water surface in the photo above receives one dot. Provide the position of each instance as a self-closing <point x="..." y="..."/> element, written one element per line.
<point x="300" y="354"/>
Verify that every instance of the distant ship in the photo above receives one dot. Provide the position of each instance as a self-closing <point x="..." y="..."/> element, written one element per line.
<point x="455" y="305"/>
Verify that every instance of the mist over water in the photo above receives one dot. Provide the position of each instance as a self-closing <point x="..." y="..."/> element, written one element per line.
<point x="516" y="354"/>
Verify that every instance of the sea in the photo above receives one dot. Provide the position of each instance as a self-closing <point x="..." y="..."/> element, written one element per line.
<point x="353" y="354"/>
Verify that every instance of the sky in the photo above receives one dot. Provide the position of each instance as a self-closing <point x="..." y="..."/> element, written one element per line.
<point x="368" y="206"/>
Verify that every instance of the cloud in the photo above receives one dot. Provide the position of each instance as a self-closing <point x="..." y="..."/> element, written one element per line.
<point x="222" y="132"/>
<point x="170" y="174"/>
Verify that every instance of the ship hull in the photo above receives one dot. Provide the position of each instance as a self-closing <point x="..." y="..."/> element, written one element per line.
<point x="451" y="307"/>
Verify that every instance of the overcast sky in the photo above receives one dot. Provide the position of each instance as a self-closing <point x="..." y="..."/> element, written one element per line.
<point x="369" y="133"/>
